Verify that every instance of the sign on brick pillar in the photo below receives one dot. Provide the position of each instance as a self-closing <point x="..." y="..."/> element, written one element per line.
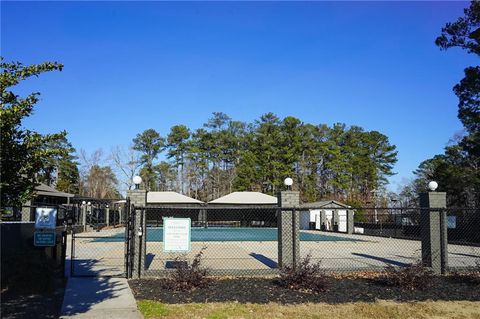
<point x="433" y="229"/>
<point x="288" y="229"/>
<point x="138" y="198"/>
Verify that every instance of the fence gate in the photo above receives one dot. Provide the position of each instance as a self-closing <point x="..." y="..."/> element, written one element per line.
<point x="101" y="241"/>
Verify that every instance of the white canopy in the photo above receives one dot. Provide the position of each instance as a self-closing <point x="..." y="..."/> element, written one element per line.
<point x="170" y="198"/>
<point x="246" y="198"/>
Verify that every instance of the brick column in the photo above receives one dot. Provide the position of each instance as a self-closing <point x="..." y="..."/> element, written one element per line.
<point x="433" y="228"/>
<point x="138" y="197"/>
<point x="288" y="229"/>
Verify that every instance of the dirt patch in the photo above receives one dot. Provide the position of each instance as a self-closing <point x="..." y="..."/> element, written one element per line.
<point x="339" y="290"/>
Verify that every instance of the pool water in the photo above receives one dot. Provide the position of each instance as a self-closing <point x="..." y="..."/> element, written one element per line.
<point x="155" y="234"/>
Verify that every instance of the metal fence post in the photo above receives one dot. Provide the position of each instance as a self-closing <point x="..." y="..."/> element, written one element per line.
<point x="433" y="229"/>
<point x="84" y="217"/>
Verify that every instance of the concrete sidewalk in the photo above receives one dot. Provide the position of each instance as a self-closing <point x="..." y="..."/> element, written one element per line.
<point x="99" y="297"/>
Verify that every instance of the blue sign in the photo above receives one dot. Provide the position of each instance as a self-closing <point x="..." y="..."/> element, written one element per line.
<point x="451" y="221"/>
<point x="44" y="239"/>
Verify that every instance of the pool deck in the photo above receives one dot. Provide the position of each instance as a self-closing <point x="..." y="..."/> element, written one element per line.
<point x="358" y="252"/>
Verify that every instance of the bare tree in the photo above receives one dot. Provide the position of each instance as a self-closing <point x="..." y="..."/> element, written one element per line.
<point x="126" y="163"/>
<point x="87" y="161"/>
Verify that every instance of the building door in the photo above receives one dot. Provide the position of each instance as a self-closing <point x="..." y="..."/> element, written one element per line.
<point x="342" y="221"/>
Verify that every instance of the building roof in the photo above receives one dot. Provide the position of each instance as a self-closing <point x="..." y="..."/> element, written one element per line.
<point x="170" y="198"/>
<point x="45" y="190"/>
<point x="246" y="198"/>
<point x="325" y="204"/>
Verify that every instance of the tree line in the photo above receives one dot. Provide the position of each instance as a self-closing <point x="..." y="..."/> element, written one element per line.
<point x="224" y="155"/>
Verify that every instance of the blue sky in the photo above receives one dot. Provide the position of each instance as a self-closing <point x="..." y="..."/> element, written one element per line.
<point x="132" y="66"/>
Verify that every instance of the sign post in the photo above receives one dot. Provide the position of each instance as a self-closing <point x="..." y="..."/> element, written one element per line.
<point x="176" y="234"/>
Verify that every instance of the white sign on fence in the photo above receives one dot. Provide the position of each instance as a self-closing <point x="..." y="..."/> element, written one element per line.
<point x="45" y="217"/>
<point x="176" y="234"/>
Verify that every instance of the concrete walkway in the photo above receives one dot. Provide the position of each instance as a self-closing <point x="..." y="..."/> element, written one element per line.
<point x="99" y="297"/>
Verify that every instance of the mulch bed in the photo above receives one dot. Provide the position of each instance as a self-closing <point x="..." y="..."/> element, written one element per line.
<point x="24" y="304"/>
<point x="339" y="290"/>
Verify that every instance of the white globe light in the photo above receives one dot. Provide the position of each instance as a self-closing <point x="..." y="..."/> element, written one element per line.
<point x="432" y="186"/>
<point x="89" y="203"/>
<point x="288" y="181"/>
<point x="84" y="202"/>
<point x="137" y="180"/>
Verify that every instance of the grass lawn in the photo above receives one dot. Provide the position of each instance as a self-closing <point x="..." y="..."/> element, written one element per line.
<point x="358" y="310"/>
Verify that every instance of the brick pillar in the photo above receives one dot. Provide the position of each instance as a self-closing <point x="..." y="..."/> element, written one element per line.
<point x="288" y="229"/>
<point x="433" y="226"/>
<point x="138" y="197"/>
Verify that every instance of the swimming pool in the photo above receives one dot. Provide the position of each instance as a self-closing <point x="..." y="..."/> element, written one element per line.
<point x="155" y="234"/>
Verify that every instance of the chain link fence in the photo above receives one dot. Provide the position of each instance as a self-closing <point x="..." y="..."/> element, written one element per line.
<point x="362" y="239"/>
<point x="232" y="240"/>
<point x="239" y="240"/>
<point x="98" y="248"/>
<point x="250" y="240"/>
<point x="463" y="227"/>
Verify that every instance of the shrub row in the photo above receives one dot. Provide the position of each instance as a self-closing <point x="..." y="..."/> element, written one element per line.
<point x="305" y="276"/>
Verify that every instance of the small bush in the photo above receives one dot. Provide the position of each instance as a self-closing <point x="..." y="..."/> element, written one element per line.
<point x="412" y="277"/>
<point x="188" y="276"/>
<point x="472" y="275"/>
<point x="306" y="276"/>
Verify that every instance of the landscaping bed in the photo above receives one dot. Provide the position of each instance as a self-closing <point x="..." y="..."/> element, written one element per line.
<point x="339" y="289"/>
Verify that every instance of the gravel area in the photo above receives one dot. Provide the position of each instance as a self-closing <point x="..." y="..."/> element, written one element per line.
<point x="339" y="290"/>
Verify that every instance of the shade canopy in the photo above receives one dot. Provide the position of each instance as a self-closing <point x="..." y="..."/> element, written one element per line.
<point x="170" y="198"/>
<point x="246" y="198"/>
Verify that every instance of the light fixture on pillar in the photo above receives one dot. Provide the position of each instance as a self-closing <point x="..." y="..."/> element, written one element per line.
<point x="84" y="203"/>
<point x="137" y="180"/>
<point x="288" y="182"/>
<point x="432" y="186"/>
<point x="89" y="204"/>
